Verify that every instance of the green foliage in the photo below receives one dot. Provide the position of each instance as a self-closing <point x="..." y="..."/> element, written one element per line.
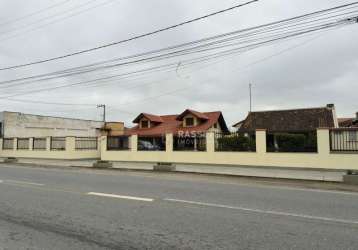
<point x="235" y="142"/>
<point x="290" y="142"/>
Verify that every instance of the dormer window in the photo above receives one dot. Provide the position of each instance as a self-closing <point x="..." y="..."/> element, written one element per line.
<point x="189" y="122"/>
<point x="144" y="124"/>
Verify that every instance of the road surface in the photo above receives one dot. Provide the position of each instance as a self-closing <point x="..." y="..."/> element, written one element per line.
<point x="86" y="209"/>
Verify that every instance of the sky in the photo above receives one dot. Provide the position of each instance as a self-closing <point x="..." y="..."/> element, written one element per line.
<point x="308" y="71"/>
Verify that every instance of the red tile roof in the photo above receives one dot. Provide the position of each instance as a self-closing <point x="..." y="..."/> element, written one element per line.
<point x="150" y="117"/>
<point x="171" y="124"/>
<point x="197" y="114"/>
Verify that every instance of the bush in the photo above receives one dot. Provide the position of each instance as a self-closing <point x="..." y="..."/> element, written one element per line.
<point x="235" y="143"/>
<point x="297" y="142"/>
<point x="290" y="142"/>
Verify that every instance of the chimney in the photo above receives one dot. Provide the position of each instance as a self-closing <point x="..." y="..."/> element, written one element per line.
<point x="333" y="109"/>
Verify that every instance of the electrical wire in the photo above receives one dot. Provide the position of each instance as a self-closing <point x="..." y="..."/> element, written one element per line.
<point x="70" y="72"/>
<point x="132" y="38"/>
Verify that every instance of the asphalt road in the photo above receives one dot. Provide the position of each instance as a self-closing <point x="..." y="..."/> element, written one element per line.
<point x="86" y="209"/>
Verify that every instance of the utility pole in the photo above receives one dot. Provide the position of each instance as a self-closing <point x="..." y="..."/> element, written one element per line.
<point x="250" y="93"/>
<point x="104" y="110"/>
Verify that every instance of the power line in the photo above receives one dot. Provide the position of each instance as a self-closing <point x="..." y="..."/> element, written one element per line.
<point x="215" y="55"/>
<point x="53" y="21"/>
<point x="254" y="31"/>
<point x="130" y="39"/>
<point x="34" y="13"/>
<point x="230" y="51"/>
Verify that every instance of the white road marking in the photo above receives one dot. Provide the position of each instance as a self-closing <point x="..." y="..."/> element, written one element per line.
<point x="256" y="185"/>
<point x="24" y="182"/>
<point x="121" y="196"/>
<point x="265" y="211"/>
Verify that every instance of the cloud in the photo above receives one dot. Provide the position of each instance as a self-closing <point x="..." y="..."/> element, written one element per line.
<point x="316" y="73"/>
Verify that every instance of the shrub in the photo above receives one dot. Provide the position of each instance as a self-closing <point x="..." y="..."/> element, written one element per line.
<point x="296" y="142"/>
<point x="290" y="142"/>
<point x="235" y="143"/>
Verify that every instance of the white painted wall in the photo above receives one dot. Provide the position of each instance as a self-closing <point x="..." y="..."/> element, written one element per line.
<point x="26" y="125"/>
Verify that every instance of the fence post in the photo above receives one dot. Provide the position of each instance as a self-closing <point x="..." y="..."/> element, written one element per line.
<point x="31" y="143"/>
<point x="134" y="143"/>
<point x="210" y="142"/>
<point x="70" y="144"/>
<point x="323" y="142"/>
<point x="1" y="143"/>
<point x="103" y="145"/>
<point x="14" y="146"/>
<point x="261" y="141"/>
<point x="169" y="142"/>
<point x="48" y="143"/>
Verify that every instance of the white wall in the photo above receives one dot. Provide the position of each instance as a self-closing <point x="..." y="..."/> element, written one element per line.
<point x="25" y="125"/>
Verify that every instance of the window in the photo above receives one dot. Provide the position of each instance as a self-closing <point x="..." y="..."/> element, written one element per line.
<point x="189" y="122"/>
<point x="353" y="135"/>
<point x="215" y="125"/>
<point x="145" y="124"/>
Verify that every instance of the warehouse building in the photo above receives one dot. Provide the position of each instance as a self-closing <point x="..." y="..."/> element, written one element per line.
<point x="15" y="124"/>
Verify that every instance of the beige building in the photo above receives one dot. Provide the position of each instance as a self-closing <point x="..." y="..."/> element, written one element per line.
<point x="15" y="124"/>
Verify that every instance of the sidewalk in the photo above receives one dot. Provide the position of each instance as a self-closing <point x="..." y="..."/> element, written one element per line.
<point x="249" y="171"/>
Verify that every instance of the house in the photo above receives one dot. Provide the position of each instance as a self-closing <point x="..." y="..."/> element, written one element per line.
<point x="348" y="122"/>
<point x="188" y="129"/>
<point x="300" y="123"/>
<point x="113" y="128"/>
<point x="292" y="120"/>
<point x="15" y="124"/>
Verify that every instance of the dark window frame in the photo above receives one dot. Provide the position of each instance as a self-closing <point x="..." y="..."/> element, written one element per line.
<point x="146" y="122"/>
<point x="189" y="124"/>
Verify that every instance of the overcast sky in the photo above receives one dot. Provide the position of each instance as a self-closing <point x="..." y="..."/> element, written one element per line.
<point x="316" y="71"/>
